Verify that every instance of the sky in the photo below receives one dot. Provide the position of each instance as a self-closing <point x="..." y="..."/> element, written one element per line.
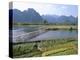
<point x="48" y="9"/>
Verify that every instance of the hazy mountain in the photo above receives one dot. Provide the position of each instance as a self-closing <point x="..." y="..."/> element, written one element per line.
<point x="31" y="16"/>
<point x="60" y="19"/>
<point x="28" y="16"/>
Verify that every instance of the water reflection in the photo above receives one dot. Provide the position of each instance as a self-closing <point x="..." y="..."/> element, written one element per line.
<point x="57" y="34"/>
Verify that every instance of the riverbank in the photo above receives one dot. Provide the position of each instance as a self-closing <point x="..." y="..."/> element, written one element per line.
<point x="51" y="27"/>
<point x="46" y="48"/>
<point x="58" y="27"/>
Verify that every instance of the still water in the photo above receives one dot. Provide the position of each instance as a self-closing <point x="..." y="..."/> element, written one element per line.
<point x="57" y="34"/>
<point x="51" y="34"/>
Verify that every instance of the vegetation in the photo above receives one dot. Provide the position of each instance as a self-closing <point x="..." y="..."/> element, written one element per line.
<point x="58" y="27"/>
<point x="46" y="48"/>
<point x="32" y="18"/>
<point x="45" y="22"/>
<point x="52" y="27"/>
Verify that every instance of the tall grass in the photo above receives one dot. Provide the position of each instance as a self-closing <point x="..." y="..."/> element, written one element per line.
<point x="46" y="48"/>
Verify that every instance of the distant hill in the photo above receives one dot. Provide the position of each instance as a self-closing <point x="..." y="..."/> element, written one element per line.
<point x="28" y="16"/>
<point x="60" y="19"/>
<point x="31" y="16"/>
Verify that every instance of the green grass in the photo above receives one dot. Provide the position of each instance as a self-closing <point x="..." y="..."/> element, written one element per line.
<point x="46" y="48"/>
<point x="52" y="27"/>
<point x="56" y="27"/>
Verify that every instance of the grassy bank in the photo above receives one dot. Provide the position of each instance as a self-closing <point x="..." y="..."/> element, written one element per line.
<point x="46" y="48"/>
<point x="50" y="26"/>
<point x="68" y="27"/>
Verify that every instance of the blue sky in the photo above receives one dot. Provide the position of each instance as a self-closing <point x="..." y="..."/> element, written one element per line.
<point x="48" y="9"/>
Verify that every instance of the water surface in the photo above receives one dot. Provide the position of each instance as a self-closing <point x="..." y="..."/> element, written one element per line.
<point x="51" y="34"/>
<point x="57" y="34"/>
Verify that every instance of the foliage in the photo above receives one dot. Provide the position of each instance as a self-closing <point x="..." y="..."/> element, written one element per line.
<point x="46" y="48"/>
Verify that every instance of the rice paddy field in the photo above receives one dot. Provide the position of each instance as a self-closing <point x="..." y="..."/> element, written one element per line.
<point x="43" y="48"/>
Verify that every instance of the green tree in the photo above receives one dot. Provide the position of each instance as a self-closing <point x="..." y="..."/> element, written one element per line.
<point x="45" y="22"/>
